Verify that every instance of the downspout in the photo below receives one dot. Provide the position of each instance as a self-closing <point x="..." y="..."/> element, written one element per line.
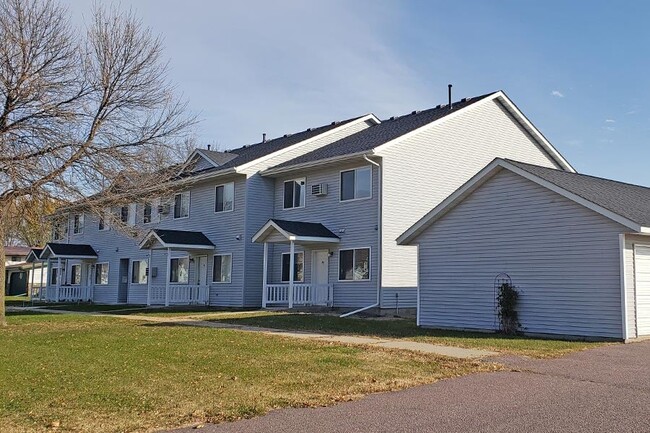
<point x="379" y="239"/>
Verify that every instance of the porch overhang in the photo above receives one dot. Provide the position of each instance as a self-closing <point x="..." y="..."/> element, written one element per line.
<point x="283" y="231"/>
<point x="160" y="239"/>
<point x="34" y="255"/>
<point x="68" y="251"/>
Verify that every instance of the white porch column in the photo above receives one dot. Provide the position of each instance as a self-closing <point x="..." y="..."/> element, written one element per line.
<point x="58" y="277"/>
<point x="149" y="277"/>
<point x="48" y="282"/>
<point x="169" y="275"/>
<point x="292" y="265"/>
<point x="264" y="276"/>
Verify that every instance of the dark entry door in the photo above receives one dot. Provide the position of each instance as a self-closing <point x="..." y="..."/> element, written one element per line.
<point x="123" y="288"/>
<point x="17" y="283"/>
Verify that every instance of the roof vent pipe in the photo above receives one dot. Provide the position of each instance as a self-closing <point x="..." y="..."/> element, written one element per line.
<point x="209" y="147"/>
<point x="449" y="88"/>
<point x="264" y="137"/>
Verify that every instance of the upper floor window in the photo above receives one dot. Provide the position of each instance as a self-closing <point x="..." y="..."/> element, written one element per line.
<point x="78" y="224"/>
<point x="124" y="214"/>
<point x="294" y="193"/>
<point x="356" y="184"/>
<point x="354" y="264"/>
<point x="182" y="205"/>
<point x="225" y="197"/>
<point x="298" y="266"/>
<point x="104" y="218"/>
<point x="59" y="230"/>
<point x="139" y="272"/>
<point x="146" y="213"/>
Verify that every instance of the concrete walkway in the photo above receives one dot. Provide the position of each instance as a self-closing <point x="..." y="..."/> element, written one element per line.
<point x="388" y="343"/>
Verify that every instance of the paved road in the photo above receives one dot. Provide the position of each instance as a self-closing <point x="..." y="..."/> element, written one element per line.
<point x="601" y="390"/>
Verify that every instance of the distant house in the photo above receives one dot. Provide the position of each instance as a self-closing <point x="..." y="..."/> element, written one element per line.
<point x="19" y="272"/>
<point x="577" y="248"/>
<point x="308" y="218"/>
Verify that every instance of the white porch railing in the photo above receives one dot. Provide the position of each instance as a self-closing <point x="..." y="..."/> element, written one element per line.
<point x="181" y="294"/>
<point x="67" y="294"/>
<point x="303" y="294"/>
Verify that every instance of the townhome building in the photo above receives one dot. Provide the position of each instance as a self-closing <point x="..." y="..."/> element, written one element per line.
<point x="307" y="219"/>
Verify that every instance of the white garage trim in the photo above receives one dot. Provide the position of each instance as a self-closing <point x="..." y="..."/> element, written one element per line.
<point x="642" y="308"/>
<point x="621" y="243"/>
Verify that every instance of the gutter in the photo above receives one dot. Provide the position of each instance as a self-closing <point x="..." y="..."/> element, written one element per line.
<point x="280" y="170"/>
<point x="379" y="239"/>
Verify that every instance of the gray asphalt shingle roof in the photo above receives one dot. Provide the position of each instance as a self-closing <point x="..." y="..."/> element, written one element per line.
<point x="624" y="199"/>
<point x="182" y="237"/>
<point x="300" y="228"/>
<point x="70" y="250"/>
<point x="382" y="133"/>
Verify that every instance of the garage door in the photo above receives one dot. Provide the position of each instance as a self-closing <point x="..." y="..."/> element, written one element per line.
<point x="642" y="284"/>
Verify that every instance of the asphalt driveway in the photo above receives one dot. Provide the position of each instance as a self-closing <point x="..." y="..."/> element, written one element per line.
<point x="600" y="390"/>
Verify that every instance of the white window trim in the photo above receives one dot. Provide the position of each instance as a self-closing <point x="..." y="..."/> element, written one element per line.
<point x="107" y="226"/>
<point x="131" y="272"/>
<point x="153" y="212"/>
<point x="72" y="273"/>
<point x="355" y="183"/>
<point x="338" y="270"/>
<point x="108" y="274"/>
<point x="188" y="270"/>
<point x="304" y="201"/>
<point x="215" y="198"/>
<point x="189" y="201"/>
<point x="222" y="282"/>
<point x="303" y="267"/>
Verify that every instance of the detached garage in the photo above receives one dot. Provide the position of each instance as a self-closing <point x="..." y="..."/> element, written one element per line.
<point x="576" y="247"/>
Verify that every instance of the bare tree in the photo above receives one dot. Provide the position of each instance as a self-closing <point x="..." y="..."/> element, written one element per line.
<point x="81" y="109"/>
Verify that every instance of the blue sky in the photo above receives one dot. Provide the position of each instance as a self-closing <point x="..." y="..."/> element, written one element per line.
<point x="577" y="69"/>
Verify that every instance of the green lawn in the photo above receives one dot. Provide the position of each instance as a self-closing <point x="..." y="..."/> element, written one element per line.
<point x="403" y="328"/>
<point x="101" y="374"/>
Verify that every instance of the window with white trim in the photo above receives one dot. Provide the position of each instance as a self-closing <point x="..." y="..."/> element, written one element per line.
<point x="78" y="223"/>
<point x="59" y="230"/>
<point x="299" y="266"/>
<point x="354" y="264"/>
<point x="124" y="214"/>
<point x="139" y="272"/>
<point x="147" y="210"/>
<point x="104" y="219"/>
<point x="75" y="275"/>
<point x="53" y="275"/>
<point x="224" y="197"/>
<point x="356" y="184"/>
<point x="222" y="268"/>
<point x="179" y="270"/>
<point x="182" y="205"/>
<point x="294" y="193"/>
<point x="101" y="274"/>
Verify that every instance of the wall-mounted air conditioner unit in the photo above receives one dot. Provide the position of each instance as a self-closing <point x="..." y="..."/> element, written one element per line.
<point x="319" y="189"/>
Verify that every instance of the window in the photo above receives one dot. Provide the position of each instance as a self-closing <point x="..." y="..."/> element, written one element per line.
<point x="104" y="218"/>
<point x="182" y="205"/>
<point x="124" y="214"/>
<point x="75" y="274"/>
<point x="146" y="213"/>
<point x="298" y="272"/>
<point x="59" y="230"/>
<point x="222" y="268"/>
<point x="78" y="224"/>
<point x="101" y="273"/>
<point x="53" y="275"/>
<point x="225" y="197"/>
<point x="139" y="272"/>
<point x="354" y="264"/>
<point x="294" y="193"/>
<point x="356" y="184"/>
<point x="179" y="270"/>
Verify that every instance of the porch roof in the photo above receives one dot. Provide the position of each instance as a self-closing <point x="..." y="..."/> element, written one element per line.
<point x="298" y="231"/>
<point x="176" y="239"/>
<point x="67" y="251"/>
<point x="34" y="255"/>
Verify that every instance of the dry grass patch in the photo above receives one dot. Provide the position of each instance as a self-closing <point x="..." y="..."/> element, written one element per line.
<point x="101" y="374"/>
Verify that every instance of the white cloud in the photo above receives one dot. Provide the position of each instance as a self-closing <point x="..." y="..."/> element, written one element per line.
<point x="610" y="121"/>
<point x="557" y="94"/>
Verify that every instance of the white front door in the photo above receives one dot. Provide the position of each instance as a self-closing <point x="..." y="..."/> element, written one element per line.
<point x="320" y="277"/>
<point x="201" y="270"/>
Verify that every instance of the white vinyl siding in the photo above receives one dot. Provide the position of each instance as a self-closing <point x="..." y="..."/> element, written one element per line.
<point x="562" y="257"/>
<point x="422" y="170"/>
